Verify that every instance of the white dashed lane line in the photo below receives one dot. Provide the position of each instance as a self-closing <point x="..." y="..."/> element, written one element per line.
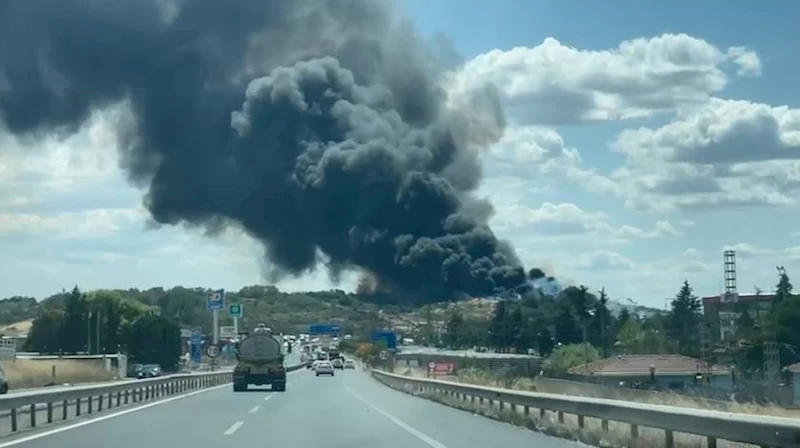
<point x="233" y="428"/>
<point x="255" y="409"/>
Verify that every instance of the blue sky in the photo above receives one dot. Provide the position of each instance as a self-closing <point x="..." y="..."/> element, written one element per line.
<point x="643" y="138"/>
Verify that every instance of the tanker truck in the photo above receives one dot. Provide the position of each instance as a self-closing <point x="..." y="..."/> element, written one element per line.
<point x="260" y="361"/>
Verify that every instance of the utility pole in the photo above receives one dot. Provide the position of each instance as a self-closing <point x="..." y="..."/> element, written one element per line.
<point x="98" y="346"/>
<point x="585" y="352"/>
<point x="89" y="334"/>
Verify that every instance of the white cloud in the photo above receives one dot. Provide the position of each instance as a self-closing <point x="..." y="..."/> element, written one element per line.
<point x="567" y="219"/>
<point x="57" y="163"/>
<point x="745" y="250"/>
<point x="724" y="154"/>
<point x="692" y="253"/>
<point x="554" y="84"/>
<point x="85" y="224"/>
<point x="604" y="260"/>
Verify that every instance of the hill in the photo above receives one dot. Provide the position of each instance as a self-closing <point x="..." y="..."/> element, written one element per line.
<point x="283" y="311"/>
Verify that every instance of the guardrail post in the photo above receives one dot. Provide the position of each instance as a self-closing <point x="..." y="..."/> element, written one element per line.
<point x="33" y="415"/>
<point x="110" y="395"/>
<point x="711" y="442"/>
<point x="100" y="403"/>
<point x="14" y="419"/>
<point x="78" y="407"/>
<point x="89" y="404"/>
<point x="49" y="412"/>
<point x="64" y="410"/>
<point x="669" y="439"/>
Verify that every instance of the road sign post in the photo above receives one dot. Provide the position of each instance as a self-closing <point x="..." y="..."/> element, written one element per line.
<point x="215" y="303"/>
<point x="236" y="311"/>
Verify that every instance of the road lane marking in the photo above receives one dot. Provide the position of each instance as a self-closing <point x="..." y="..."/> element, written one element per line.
<point x="255" y="409"/>
<point x="430" y="441"/>
<point x="233" y="428"/>
<point x="106" y="417"/>
<point x="267" y="397"/>
<point x="80" y="424"/>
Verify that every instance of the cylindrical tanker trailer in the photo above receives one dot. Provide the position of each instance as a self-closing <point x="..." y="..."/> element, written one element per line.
<point x="260" y="361"/>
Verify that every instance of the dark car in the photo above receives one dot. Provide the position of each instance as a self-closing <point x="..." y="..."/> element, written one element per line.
<point x="149" y="371"/>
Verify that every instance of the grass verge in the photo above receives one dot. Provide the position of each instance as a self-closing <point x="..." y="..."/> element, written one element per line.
<point x="616" y="435"/>
<point x="25" y="373"/>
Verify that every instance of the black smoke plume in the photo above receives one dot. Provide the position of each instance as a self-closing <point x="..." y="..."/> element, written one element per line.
<point x="318" y="126"/>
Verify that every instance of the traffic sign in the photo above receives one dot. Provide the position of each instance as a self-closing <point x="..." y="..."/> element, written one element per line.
<point x="235" y="310"/>
<point x="431" y="365"/>
<point x="197" y="349"/>
<point x="212" y="350"/>
<point x="384" y="355"/>
<point x="216" y="300"/>
<point x="324" y="329"/>
<point x="389" y="337"/>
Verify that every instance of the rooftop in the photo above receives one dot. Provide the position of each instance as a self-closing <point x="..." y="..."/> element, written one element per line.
<point x="741" y="298"/>
<point x="635" y="365"/>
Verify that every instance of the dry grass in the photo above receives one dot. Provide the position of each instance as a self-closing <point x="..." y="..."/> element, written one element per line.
<point x="26" y="373"/>
<point x="617" y="435"/>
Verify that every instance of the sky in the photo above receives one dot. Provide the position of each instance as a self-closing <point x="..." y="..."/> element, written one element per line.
<point x="643" y="140"/>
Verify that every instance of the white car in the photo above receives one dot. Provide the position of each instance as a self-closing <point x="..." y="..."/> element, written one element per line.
<point x="324" y="368"/>
<point x="349" y="364"/>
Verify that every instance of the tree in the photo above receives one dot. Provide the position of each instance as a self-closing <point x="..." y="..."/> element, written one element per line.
<point x="46" y="332"/>
<point x="498" y="328"/>
<point x="568" y="356"/>
<point x="74" y="331"/>
<point x="783" y="290"/>
<point x="685" y="319"/>
<point x="153" y="339"/>
<point x="455" y="332"/>
<point x="601" y="323"/>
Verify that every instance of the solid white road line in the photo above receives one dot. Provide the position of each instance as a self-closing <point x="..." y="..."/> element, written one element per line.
<point x="433" y="443"/>
<point x="255" y="409"/>
<point x="233" y="428"/>
<point x="106" y="417"/>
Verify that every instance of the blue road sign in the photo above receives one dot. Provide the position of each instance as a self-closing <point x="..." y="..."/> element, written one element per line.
<point x="324" y="329"/>
<point x="197" y="344"/>
<point x="389" y="337"/>
<point x="235" y="310"/>
<point x="216" y="300"/>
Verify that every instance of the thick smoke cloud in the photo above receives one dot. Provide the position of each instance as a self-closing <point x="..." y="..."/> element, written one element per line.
<point x="316" y="125"/>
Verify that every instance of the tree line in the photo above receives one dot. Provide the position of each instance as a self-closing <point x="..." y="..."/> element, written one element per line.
<point x="540" y="324"/>
<point x="103" y="322"/>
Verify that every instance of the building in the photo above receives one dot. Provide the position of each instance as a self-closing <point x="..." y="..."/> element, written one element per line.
<point x="667" y="371"/>
<point x="794" y="369"/>
<point x="723" y="311"/>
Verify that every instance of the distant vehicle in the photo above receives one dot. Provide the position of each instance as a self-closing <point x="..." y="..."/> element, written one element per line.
<point x="134" y="369"/>
<point x="338" y="364"/>
<point x="149" y="371"/>
<point x="260" y="361"/>
<point x="349" y="364"/>
<point x="324" y="368"/>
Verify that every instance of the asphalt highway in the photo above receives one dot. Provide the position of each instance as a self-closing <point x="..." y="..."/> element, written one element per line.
<point x="349" y="410"/>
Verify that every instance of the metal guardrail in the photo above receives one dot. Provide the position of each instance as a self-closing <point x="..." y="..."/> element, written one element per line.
<point x="714" y="425"/>
<point x="96" y="398"/>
